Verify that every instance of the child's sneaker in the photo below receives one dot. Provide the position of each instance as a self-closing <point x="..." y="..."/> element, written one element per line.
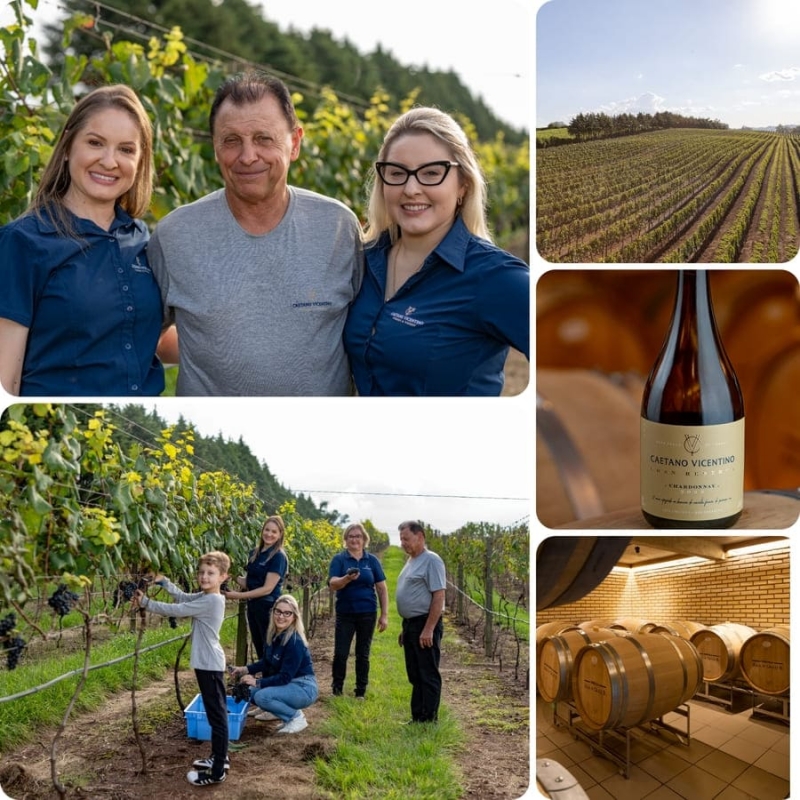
<point x="296" y="724"/>
<point x="208" y="763"/>
<point x="203" y="777"/>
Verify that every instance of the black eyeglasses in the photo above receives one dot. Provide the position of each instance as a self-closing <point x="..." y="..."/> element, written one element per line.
<point x="278" y="612"/>
<point x="431" y="174"/>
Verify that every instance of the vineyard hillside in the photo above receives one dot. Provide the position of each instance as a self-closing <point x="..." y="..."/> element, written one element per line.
<point x="676" y="195"/>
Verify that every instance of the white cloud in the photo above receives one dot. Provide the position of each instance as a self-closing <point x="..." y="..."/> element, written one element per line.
<point x="781" y="74"/>
<point x="648" y="103"/>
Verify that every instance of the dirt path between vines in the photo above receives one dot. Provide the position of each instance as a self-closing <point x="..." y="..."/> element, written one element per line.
<point x="98" y="757"/>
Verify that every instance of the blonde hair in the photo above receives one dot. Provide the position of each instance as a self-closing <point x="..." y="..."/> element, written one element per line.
<point x="424" y="119"/>
<point x="356" y="526"/>
<point x="216" y="558"/>
<point x="56" y="179"/>
<point x="296" y="626"/>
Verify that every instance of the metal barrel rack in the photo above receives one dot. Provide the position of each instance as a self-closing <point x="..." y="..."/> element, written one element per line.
<point x="771" y="708"/>
<point x="734" y="696"/>
<point x="598" y="740"/>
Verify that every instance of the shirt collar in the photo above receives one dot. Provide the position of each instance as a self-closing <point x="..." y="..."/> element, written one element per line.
<point x="84" y="226"/>
<point x="452" y="250"/>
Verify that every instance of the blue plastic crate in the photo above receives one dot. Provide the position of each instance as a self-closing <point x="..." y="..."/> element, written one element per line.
<point x="197" y="726"/>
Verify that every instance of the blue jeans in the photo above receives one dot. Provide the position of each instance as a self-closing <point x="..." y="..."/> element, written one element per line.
<point x="285" y="701"/>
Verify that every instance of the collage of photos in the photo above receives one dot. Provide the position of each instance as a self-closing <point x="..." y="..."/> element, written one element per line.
<point x="266" y="463"/>
<point x="273" y="439"/>
<point x="667" y="380"/>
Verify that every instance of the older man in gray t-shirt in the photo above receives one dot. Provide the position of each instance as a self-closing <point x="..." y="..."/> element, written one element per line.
<point x="258" y="277"/>
<point x="420" y="602"/>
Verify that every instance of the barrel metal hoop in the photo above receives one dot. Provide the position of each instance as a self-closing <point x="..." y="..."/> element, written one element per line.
<point x="651" y="678"/>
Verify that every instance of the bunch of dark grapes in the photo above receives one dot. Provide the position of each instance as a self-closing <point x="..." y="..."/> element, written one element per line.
<point x="240" y="691"/>
<point x="127" y="590"/>
<point x="173" y="622"/>
<point x="62" y="600"/>
<point x="14" y="646"/>
<point x="7" y="624"/>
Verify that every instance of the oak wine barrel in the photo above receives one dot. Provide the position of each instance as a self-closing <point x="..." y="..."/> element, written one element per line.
<point x="764" y="660"/>
<point x="633" y="625"/>
<point x="629" y="680"/>
<point x="569" y="567"/>
<point x="679" y="627"/>
<point x="719" y="647"/>
<point x="556" y="657"/>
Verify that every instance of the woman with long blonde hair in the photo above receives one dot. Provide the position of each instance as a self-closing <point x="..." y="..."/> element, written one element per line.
<point x="287" y="683"/>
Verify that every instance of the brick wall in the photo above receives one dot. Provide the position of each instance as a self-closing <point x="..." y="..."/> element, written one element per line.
<point x="751" y="589"/>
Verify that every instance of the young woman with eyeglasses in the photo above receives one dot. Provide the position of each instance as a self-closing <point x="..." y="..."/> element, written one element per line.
<point x="440" y="304"/>
<point x="287" y="683"/>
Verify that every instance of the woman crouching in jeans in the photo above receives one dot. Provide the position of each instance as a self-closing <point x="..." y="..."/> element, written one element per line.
<point x="287" y="683"/>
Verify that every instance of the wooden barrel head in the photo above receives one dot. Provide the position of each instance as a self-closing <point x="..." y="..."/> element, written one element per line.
<point x="765" y="661"/>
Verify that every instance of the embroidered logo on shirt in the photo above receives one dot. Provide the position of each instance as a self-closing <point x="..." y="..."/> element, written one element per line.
<point x="137" y="266"/>
<point x="406" y="318"/>
<point x="312" y="302"/>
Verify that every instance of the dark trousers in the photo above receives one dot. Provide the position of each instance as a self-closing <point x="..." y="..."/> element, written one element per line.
<point x="422" y="668"/>
<point x="258" y="612"/>
<point x="362" y="626"/>
<point x="212" y="690"/>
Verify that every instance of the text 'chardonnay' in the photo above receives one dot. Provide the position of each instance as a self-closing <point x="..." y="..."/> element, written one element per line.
<point x="692" y="426"/>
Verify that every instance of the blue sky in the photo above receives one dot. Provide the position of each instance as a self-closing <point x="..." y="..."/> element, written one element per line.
<point x="733" y="60"/>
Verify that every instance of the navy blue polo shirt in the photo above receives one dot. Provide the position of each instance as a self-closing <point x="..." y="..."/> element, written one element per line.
<point x="358" y="597"/>
<point x="91" y="305"/>
<point x="447" y="330"/>
<point x="266" y="561"/>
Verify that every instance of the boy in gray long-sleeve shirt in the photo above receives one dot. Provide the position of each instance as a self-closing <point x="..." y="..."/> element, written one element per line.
<point x="207" y="611"/>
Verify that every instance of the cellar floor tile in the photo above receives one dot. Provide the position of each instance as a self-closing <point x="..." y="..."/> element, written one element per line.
<point x="597" y="792"/>
<point x="732" y="793"/>
<point x="664" y="765"/>
<point x="696" y="784"/>
<point x="637" y="785"/>
<point x="691" y="752"/>
<point x="782" y="745"/>
<point x="763" y="733"/>
<point x="744" y="749"/>
<point x="774" y="763"/>
<point x="663" y="793"/>
<point x="713" y="737"/>
<point x="724" y="766"/>
<point x="559" y="756"/>
<point x="577" y="751"/>
<point x="584" y="778"/>
<point x="560" y="736"/>
<point x="762" y="784"/>
<point x="599" y="768"/>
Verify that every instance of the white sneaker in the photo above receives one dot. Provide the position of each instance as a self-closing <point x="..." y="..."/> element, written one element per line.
<point x="296" y="724"/>
<point x="264" y="716"/>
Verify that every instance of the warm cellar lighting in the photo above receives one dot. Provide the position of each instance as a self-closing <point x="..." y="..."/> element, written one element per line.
<point x="675" y="562"/>
<point x="758" y="548"/>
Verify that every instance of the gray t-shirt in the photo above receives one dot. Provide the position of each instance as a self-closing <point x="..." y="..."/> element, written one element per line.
<point x="419" y="578"/>
<point x="259" y="315"/>
<point x="207" y="612"/>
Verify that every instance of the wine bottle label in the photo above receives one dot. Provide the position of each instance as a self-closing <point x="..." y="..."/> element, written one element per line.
<point x="692" y="473"/>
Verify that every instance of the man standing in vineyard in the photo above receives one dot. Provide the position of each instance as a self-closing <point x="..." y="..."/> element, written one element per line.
<point x="420" y="602"/>
<point x="258" y="276"/>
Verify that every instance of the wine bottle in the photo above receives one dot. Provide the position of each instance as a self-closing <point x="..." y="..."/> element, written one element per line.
<point x="692" y="421"/>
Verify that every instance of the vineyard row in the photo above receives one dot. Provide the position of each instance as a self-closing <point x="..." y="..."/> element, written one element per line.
<point x="671" y="196"/>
